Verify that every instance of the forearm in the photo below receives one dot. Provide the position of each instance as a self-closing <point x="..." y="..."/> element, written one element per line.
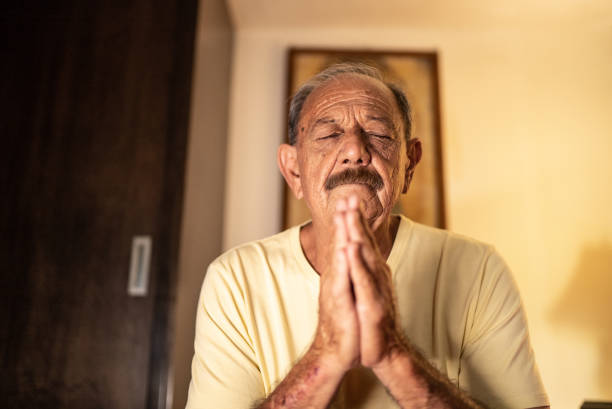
<point x="311" y="383"/>
<point x="415" y="383"/>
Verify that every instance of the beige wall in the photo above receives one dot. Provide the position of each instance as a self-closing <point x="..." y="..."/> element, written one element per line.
<point x="527" y="122"/>
<point x="202" y="227"/>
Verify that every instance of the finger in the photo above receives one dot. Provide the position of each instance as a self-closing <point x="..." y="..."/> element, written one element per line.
<point x="342" y="286"/>
<point x="353" y="202"/>
<point x="357" y="234"/>
<point x="338" y="251"/>
<point x="342" y="266"/>
<point x="341" y="205"/>
<point x="354" y="226"/>
<point x="363" y="285"/>
<point x="341" y="234"/>
<point x="359" y="228"/>
<point x="340" y="231"/>
<point x="366" y="226"/>
<point x="370" y="256"/>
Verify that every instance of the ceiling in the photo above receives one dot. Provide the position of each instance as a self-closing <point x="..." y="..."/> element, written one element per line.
<point x="262" y="14"/>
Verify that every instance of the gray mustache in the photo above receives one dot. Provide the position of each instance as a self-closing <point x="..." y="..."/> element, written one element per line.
<point x="360" y="175"/>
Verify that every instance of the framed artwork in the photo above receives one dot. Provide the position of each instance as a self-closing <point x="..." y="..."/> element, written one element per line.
<point x="417" y="74"/>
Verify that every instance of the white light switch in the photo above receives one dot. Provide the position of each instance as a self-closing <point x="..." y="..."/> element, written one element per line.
<point x="139" y="266"/>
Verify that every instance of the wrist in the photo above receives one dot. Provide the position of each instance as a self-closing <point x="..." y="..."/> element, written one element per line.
<point x="395" y="347"/>
<point x="398" y="373"/>
<point x="398" y="355"/>
<point x="328" y="362"/>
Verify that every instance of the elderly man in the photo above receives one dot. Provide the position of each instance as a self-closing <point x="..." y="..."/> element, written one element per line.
<point x="359" y="308"/>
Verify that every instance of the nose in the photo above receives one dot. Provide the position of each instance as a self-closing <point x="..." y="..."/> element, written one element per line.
<point x="355" y="149"/>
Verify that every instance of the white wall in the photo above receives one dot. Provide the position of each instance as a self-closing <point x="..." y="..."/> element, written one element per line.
<point x="527" y="136"/>
<point x="203" y="200"/>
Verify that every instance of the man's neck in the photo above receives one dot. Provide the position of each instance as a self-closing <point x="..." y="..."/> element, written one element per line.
<point x="316" y="240"/>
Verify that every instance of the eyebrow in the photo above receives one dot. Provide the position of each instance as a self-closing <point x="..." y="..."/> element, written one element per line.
<point x="328" y="120"/>
<point x="384" y="120"/>
<point x="322" y="122"/>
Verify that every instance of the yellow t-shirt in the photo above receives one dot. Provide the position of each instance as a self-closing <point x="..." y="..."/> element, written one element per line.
<point x="457" y="303"/>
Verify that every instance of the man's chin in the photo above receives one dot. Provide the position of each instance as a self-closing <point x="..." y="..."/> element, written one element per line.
<point x="364" y="193"/>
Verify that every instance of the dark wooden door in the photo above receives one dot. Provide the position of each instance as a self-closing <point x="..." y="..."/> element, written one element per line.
<point x="94" y="100"/>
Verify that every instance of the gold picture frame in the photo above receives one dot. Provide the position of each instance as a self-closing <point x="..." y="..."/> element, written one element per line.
<point x="417" y="74"/>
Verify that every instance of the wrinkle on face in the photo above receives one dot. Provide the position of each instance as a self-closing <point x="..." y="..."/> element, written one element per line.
<point x="366" y="107"/>
<point x="351" y="112"/>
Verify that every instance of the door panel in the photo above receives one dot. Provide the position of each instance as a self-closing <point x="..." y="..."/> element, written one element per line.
<point x="94" y="103"/>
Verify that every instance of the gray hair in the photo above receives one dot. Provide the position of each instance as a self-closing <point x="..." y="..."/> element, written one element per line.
<point x="298" y="100"/>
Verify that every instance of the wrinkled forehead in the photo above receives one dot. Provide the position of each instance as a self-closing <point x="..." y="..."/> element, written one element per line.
<point x="349" y="90"/>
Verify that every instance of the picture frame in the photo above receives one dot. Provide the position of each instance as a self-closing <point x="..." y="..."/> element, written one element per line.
<point x="416" y="72"/>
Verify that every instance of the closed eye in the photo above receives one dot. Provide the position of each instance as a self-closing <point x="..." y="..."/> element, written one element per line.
<point x="332" y="135"/>
<point x="382" y="136"/>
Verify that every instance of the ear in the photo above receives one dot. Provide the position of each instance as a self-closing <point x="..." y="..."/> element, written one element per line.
<point x="288" y="165"/>
<point x="414" y="151"/>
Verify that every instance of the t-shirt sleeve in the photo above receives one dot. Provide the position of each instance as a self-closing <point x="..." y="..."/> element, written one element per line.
<point x="498" y="364"/>
<point x="224" y="372"/>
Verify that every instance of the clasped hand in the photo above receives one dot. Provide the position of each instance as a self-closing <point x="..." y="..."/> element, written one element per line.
<point x="357" y="318"/>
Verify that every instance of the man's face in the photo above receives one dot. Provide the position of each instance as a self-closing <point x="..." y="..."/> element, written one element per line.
<point x="352" y="127"/>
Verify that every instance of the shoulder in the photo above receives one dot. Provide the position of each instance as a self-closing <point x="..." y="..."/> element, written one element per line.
<point x="249" y="261"/>
<point x="257" y="250"/>
<point x="468" y="277"/>
<point x="443" y="243"/>
<point x="450" y="256"/>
